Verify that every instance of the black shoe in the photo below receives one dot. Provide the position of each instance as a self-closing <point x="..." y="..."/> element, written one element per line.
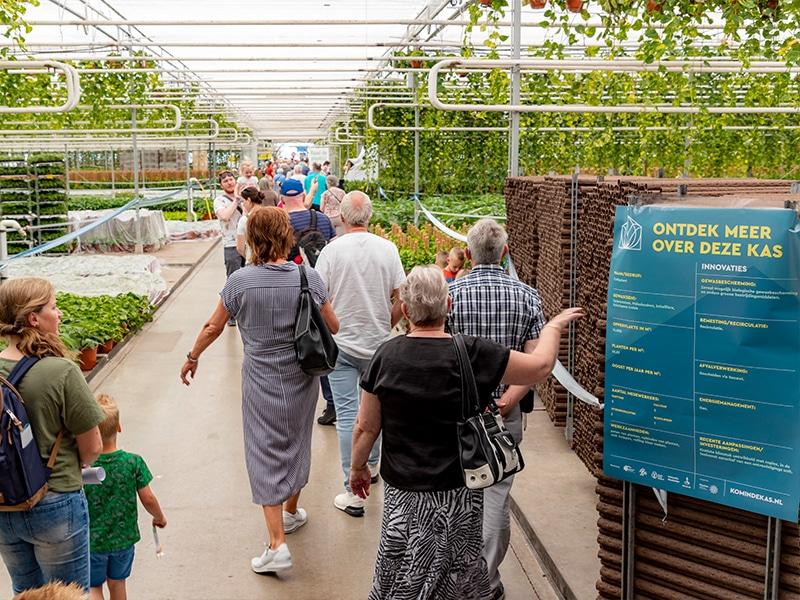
<point x="374" y="473"/>
<point x="499" y="593"/>
<point x="328" y="417"/>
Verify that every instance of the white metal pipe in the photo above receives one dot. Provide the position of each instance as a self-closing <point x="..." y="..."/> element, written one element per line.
<point x="71" y="77"/>
<point x="171" y="107"/>
<point x="616" y="128"/>
<point x="537" y="23"/>
<point x="631" y="66"/>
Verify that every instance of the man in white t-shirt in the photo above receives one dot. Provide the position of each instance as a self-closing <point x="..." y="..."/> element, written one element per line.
<point x="363" y="273"/>
<point x="228" y="211"/>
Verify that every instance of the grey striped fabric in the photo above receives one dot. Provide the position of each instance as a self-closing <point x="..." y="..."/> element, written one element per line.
<point x="278" y="399"/>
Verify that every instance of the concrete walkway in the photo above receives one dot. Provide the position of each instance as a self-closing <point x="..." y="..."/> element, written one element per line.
<point x="192" y="440"/>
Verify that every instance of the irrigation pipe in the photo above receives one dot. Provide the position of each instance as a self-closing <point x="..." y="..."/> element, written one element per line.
<point x="533" y="23"/>
<point x="559" y="372"/>
<point x="174" y="127"/>
<point x="568" y="129"/>
<point x="629" y="66"/>
<point x="70" y="75"/>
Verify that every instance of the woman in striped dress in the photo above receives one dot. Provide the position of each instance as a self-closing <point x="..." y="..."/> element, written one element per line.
<point x="431" y="537"/>
<point x="278" y="399"/>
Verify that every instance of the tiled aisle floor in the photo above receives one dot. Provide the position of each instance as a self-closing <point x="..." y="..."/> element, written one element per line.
<point x="192" y="441"/>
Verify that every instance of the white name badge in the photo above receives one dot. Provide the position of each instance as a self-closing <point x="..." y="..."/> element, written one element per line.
<point x="26" y="436"/>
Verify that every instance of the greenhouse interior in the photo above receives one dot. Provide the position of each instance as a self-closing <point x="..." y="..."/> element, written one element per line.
<point x="578" y="204"/>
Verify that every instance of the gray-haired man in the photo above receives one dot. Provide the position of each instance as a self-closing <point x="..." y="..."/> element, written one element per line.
<point x="363" y="272"/>
<point x="491" y="304"/>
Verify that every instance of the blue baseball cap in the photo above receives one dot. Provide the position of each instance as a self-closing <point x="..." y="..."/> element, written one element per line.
<point x="292" y="187"/>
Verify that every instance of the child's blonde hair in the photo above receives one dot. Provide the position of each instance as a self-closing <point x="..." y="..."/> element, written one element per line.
<point x="458" y="254"/>
<point x="245" y="163"/>
<point x="109" y="426"/>
<point x="54" y="591"/>
<point x="441" y="259"/>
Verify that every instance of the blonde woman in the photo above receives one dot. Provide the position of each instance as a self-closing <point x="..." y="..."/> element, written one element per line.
<point x="50" y="541"/>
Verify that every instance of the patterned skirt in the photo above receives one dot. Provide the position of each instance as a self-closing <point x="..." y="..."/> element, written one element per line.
<point x="431" y="547"/>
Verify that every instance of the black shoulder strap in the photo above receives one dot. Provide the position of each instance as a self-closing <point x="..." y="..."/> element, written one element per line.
<point x="20" y="369"/>
<point x="303" y="278"/>
<point x="469" y="389"/>
<point x="313" y="219"/>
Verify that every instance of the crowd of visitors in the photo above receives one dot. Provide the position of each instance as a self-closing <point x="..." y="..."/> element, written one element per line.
<point x="395" y="399"/>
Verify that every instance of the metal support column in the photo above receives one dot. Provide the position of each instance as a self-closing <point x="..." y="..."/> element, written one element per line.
<point x="414" y="84"/>
<point x="139" y="246"/>
<point x="189" y="188"/>
<point x="66" y="174"/>
<point x="772" y="569"/>
<point x="628" y="539"/>
<point x="113" y="176"/>
<point x="569" y="430"/>
<point x="516" y="77"/>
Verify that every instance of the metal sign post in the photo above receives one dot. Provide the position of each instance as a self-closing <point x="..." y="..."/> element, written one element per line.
<point x="516" y="79"/>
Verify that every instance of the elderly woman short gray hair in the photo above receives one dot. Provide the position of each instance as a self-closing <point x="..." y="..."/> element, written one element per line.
<point x="332" y="181"/>
<point x="425" y="295"/>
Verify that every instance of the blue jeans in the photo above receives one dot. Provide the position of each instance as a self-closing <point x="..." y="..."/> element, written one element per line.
<point x="326" y="391"/>
<point x="49" y="542"/>
<point x="344" y="381"/>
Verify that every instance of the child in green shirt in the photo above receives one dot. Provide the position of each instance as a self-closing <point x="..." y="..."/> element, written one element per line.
<point x="113" y="510"/>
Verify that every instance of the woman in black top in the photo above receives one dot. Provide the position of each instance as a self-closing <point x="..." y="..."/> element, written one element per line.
<point x="431" y="534"/>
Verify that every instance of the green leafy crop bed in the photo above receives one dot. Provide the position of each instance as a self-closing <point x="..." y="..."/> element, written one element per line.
<point x="90" y="321"/>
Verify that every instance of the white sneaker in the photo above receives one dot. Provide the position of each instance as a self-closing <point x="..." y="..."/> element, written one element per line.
<point x="350" y="503"/>
<point x="293" y="522"/>
<point x="272" y="561"/>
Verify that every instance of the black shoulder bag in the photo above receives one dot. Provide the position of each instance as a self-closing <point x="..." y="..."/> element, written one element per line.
<point x="487" y="450"/>
<point x="313" y="343"/>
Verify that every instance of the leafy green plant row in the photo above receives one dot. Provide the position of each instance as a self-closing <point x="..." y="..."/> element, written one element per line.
<point x="90" y="321"/>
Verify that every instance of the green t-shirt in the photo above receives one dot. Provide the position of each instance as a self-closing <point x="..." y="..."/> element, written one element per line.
<point x="113" y="517"/>
<point x="56" y="395"/>
<point x="322" y="185"/>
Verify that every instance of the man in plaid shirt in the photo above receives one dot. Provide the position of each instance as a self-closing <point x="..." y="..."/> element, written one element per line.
<point x="491" y="304"/>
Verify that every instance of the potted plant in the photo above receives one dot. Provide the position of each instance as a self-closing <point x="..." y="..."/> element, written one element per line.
<point x="575" y="6"/>
<point x="537" y="4"/>
<point x="88" y="358"/>
<point x="485" y="2"/>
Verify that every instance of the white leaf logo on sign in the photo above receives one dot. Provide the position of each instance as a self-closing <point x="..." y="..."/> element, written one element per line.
<point x="631" y="236"/>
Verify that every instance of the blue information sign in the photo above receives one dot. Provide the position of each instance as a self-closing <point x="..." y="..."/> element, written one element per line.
<point x="702" y="355"/>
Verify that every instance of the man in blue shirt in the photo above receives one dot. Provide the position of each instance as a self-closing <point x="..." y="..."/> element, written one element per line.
<point x="294" y="197"/>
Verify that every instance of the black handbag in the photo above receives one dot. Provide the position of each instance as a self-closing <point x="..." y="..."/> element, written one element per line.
<point x="487" y="450"/>
<point x="313" y="343"/>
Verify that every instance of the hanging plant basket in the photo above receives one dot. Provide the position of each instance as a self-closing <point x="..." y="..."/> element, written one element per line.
<point x="575" y="6"/>
<point x="416" y="63"/>
<point x="537" y="4"/>
<point x="655" y="6"/>
<point x="485" y="2"/>
<point x="88" y="358"/>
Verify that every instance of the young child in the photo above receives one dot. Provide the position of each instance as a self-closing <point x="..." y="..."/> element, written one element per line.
<point x="113" y="511"/>
<point x="441" y="260"/>
<point x="247" y="178"/>
<point x="455" y="260"/>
